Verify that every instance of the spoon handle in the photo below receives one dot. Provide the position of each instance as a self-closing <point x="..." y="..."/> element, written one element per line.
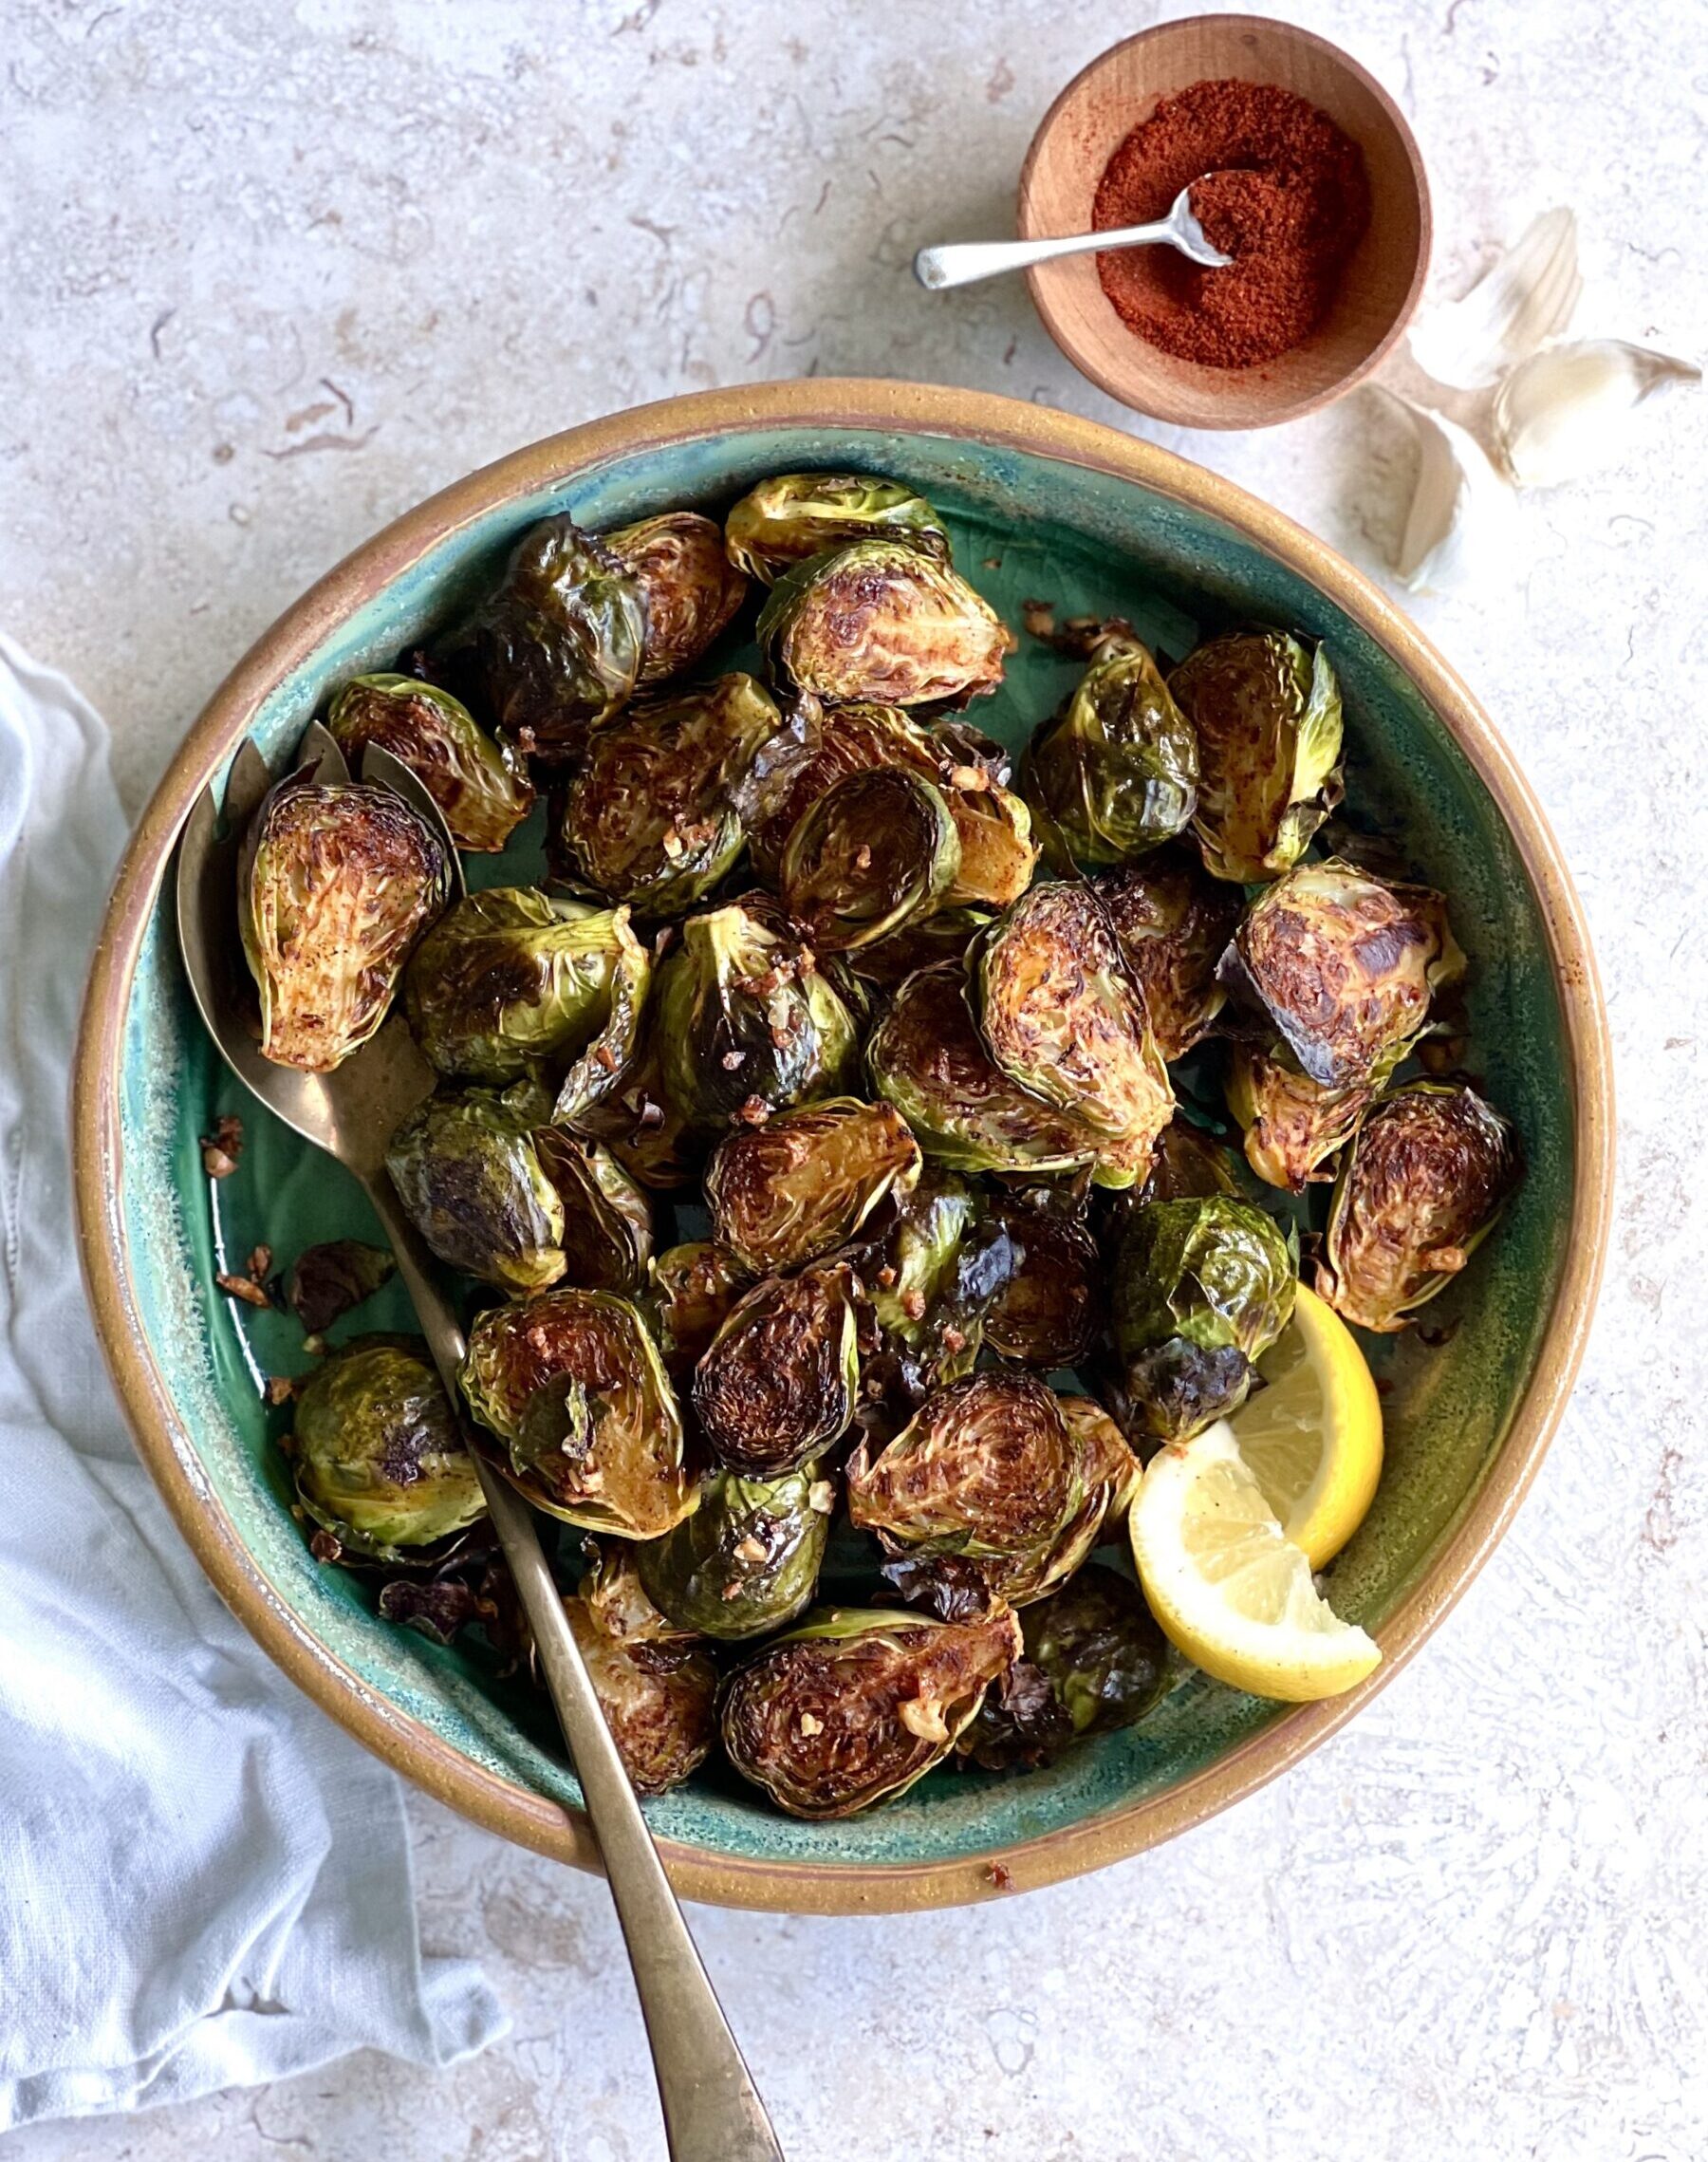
<point x="713" y="2111"/>
<point x="964" y="262"/>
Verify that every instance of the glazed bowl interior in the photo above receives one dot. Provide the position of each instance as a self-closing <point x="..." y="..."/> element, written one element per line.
<point x="1039" y="507"/>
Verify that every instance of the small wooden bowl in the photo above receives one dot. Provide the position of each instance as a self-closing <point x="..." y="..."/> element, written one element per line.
<point x="1105" y="102"/>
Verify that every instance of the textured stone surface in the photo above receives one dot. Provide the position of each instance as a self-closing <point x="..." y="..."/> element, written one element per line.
<point x="271" y="275"/>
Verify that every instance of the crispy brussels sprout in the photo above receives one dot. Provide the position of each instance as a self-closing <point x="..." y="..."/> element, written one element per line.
<point x="747" y="1023"/>
<point x="574" y="1387"/>
<point x="1188" y="1165"/>
<point x="785" y="520"/>
<point x="333" y="1277"/>
<point x="778" y="1386"/>
<point x="856" y="1705"/>
<point x="874" y="852"/>
<point x="1107" y="1462"/>
<point x="1344" y="964"/>
<point x="654" y="815"/>
<point x="1045" y="1312"/>
<point x="337" y="882"/>
<point x="942" y="1266"/>
<point x="694" y="1286"/>
<point x="1116" y="773"/>
<point x="1430" y="1169"/>
<point x="1267" y="710"/>
<point x="1202" y="1290"/>
<point x="470" y="1176"/>
<point x="1060" y="1014"/>
<point x="1173" y="923"/>
<point x="857" y="739"/>
<point x="690" y="589"/>
<point x="608" y="1237"/>
<point x="613" y="1594"/>
<point x="942" y="935"/>
<point x="479" y="785"/>
<point x="883" y="621"/>
<point x="638" y="1121"/>
<point x="510" y="983"/>
<point x="999" y="854"/>
<point x="1292" y="1125"/>
<point x="747" y="1561"/>
<point x="659" y="1700"/>
<point x="788" y="1191"/>
<point x="379" y="1456"/>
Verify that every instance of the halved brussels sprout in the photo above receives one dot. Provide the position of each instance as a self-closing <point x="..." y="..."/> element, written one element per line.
<point x="479" y="785"/>
<point x="941" y="1265"/>
<point x="874" y="852"/>
<point x="471" y="1181"/>
<point x="778" y="1386"/>
<point x="1046" y="1313"/>
<point x="788" y="1191"/>
<point x="659" y="1700"/>
<point x="378" y="1453"/>
<point x="1292" y="1125"/>
<point x="694" y="1286"/>
<point x="795" y="515"/>
<point x="747" y="1024"/>
<point x="1202" y="1290"/>
<point x="336" y="883"/>
<point x="1344" y="964"/>
<point x="1174" y="924"/>
<point x="998" y="853"/>
<point x="1109" y="1468"/>
<point x="572" y="1385"/>
<point x="1188" y="1165"/>
<point x="1267" y="710"/>
<point x="1115" y="774"/>
<point x="511" y="984"/>
<point x="857" y="739"/>
<point x="882" y="620"/>
<point x="942" y="935"/>
<point x="607" y="1239"/>
<point x="690" y="589"/>
<point x="1430" y="1171"/>
<point x="856" y="1705"/>
<point x="747" y="1561"/>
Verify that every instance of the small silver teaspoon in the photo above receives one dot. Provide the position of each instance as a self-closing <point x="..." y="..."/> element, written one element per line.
<point x="962" y="263"/>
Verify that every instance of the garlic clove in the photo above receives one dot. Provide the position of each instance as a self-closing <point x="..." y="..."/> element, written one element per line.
<point x="1525" y="298"/>
<point x="1568" y="410"/>
<point x="1463" y="523"/>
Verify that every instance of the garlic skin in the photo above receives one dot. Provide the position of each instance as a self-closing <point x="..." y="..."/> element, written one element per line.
<point x="1568" y="410"/>
<point x="1524" y="299"/>
<point x="1463" y="524"/>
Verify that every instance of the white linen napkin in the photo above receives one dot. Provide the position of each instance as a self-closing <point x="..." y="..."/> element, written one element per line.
<point x="203" y="1882"/>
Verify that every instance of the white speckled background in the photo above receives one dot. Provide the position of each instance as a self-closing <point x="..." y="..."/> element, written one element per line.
<point x="272" y="273"/>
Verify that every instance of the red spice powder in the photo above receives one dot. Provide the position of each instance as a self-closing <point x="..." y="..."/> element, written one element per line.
<point x="1288" y="199"/>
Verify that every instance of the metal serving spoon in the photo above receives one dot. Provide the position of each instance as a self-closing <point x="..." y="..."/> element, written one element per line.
<point x="713" y="2111"/>
<point x="964" y="262"/>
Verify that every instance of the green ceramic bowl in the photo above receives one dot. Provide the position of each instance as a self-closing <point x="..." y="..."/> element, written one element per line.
<point x="1039" y="505"/>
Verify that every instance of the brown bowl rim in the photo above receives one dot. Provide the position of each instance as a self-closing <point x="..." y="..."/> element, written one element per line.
<point x="1107" y="380"/>
<point x="499" y="1804"/>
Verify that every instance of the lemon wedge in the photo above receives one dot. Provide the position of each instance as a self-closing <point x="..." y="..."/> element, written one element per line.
<point x="1312" y="1436"/>
<point x="1229" y="1587"/>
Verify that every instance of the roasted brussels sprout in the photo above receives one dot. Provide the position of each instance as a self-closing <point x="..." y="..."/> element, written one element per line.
<point x="941" y="1265"/>
<point x="572" y="1385"/>
<point x="1106" y="1460"/>
<point x="337" y="882"/>
<point x="883" y="621"/>
<point x="1293" y="1125"/>
<point x="1343" y="964"/>
<point x="1188" y="1165"/>
<point x="999" y="854"/>
<point x="608" y="1237"/>
<point x="856" y="1705"/>
<point x="788" y="1191"/>
<point x="857" y="739"/>
<point x="378" y="1454"/>
<point x="638" y="1122"/>
<point x="689" y="587"/>
<point x="659" y="1699"/>
<point x="747" y="1024"/>
<point x="778" y="1386"/>
<point x="613" y="1594"/>
<point x="471" y="1181"/>
<point x="333" y="1277"/>
<point x="1045" y="1312"/>
<point x="510" y="983"/>
<point x="795" y="515"/>
<point x="874" y="852"/>
<point x="479" y="785"/>
<point x="1173" y="924"/>
<point x="694" y="1286"/>
<point x="1267" y="711"/>
<point x="1418" y="1189"/>
<point x="1116" y="773"/>
<point x="1094" y="1661"/>
<point x="1201" y="1289"/>
<point x="747" y="1561"/>
<point x="655" y="814"/>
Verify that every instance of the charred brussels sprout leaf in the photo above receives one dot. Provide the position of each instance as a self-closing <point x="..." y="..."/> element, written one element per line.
<point x="694" y="1286"/>
<point x="747" y="1561"/>
<point x="638" y="1121"/>
<point x="479" y="785"/>
<point x="1293" y="1125"/>
<point x="883" y="621"/>
<point x="573" y="1386"/>
<point x="777" y="1387"/>
<point x="1173" y="924"/>
<point x="379" y="1458"/>
<point x="331" y="1280"/>
<point x="1267" y="710"/>
<point x="689" y="587"/>
<point x="999" y="854"/>
<point x="1045" y="1312"/>
<point x="942" y="1267"/>
<point x="1344" y="964"/>
<point x="659" y="1700"/>
<point x="337" y="882"/>
<point x="876" y="851"/>
<point x="785" y="520"/>
<point x="469" y="1174"/>
<point x="1188" y="1165"/>
<point x="1430" y="1171"/>
<point x="856" y="1705"/>
<point x="607" y="1220"/>
<point x="1116" y="773"/>
<point x="788" y="1191"/>
<point x="1095" y="1661"/>
<point x="1202" y="1290"/>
